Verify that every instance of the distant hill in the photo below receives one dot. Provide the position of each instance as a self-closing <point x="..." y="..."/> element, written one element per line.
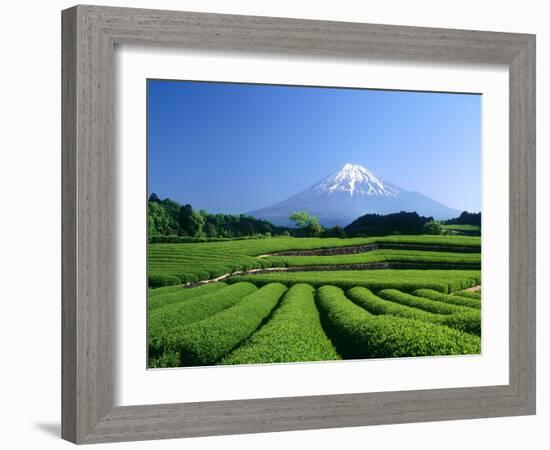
<point x="466" y="218"/>
<point x="378" y="225"/>
<point x="349" y="193"/>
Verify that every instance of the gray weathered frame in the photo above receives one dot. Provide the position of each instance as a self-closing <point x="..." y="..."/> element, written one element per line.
<point x="89" y="36"/>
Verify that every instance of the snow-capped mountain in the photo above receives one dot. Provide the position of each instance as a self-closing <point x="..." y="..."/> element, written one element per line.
<point x="350" y="193"/>
<point x="358" y="180"/>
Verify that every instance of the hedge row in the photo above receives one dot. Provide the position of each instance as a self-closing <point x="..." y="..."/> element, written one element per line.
<point x="468" y="294"/>
<point x="155" y="292"/>
<point x="199" y="271"/>
<point x="408" y="256"/>
<point x="359" y="334"/>
<point x="162" y="321"/>
<point x="293" y="334"/>
<point x="207" y="341"/>
<point x="453" y="299"/>
<point x="425" y="304"/>
<point x="317" y="282"/>
<point x="405" y="280"/>
<point x="372" y="303"/>
<point x="180" y="294"/>
<point x="158" y="280"/>
<point x="468" y="321"/>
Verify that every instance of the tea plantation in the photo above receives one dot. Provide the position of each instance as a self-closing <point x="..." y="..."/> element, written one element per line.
<point x="286" y="299"/>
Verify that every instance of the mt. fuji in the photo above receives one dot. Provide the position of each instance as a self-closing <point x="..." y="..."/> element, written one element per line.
<point x="350" y="193"/>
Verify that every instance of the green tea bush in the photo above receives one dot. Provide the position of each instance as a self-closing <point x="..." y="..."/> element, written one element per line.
<point x="168" y="359"/>
<point x="181" y="294"/>
<point x="159" y="280"/>
<point x="207" y="341"/>
<point x="467" y="321"/>
<point x="360" y="334"/>
<point x="456" y="285"/>
<point x="469" y="294"/>
<point x="155" y="292"/>
<point x="293" y="334"/>
<point x="419" y="302"/>
<point x="198" y="275"/>
<point x="453" y="299"/>
<point x="161" y="321"/>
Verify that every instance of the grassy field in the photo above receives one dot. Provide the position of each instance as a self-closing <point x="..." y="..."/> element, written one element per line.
<point x="311" y="307"/>
<point x="465" y="230"/>
<point x="462" y="227"/>
<point x="172" y="264"/>
<point x="473" y="259"/>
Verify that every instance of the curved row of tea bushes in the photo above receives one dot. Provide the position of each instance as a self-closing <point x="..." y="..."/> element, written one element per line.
<point x="360" y="334"/>
<point x="372" y="303"/>
<point x="469" y="294"/>
<point x="181" y="294"/>
<point x="158" y="280"/>
<point x="407" y="280"/>
<point x="468" y="321"/>
<point x="293" y="334"/>
<point x="411" y="256"/>
<point x="163" y="320"/>
<point x="456" y="285"/>
<point x="445" y="298"/>
<point x="155" y="292"/>
<point x="425" y="304"/>
<point x="172" y="264"/>
<point x="207" y="341"/>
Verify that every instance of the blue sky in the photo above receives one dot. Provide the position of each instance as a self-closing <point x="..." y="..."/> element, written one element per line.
<point x="233" y="148"/>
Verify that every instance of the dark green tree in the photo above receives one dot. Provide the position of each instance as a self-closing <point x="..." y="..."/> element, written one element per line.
<point x="395" y="223"/>
<point x="335" y="231"/>
<point x="159" y="222"/>
<point x="154" y="198"/>
<point x="433" y="227"/>
<point x="191" y="222"/>
<point x="466" y="218"/>
<point x="313" y="230"/>
<point x="169" y="218"/>
<point x="210" y="230"/>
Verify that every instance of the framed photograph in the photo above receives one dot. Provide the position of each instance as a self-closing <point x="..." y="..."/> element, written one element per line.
<point x="278" y="224"/>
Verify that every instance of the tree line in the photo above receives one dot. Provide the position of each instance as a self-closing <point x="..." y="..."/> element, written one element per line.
<point x="170" y="221"/>
<point x="465" y="218"/>
<point x="397" y="223"/>
<point x="169" y="218"/>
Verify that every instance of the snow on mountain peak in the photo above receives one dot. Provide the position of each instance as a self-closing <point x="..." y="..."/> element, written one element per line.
<point x="349" y="193"/>
<point x="356" y="180"/>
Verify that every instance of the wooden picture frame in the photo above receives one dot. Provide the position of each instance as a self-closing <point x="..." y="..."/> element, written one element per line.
<point x="90" y="34"/>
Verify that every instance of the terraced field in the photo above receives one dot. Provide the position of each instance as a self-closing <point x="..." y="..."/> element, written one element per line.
<point x="308" y="299"/>
<point x="174" y="264"/>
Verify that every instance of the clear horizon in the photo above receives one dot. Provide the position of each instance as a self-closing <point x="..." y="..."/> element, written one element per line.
<point x="234" y="148"/>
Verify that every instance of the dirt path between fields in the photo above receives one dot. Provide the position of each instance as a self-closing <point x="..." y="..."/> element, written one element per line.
<point x="320" y="268"/>
<point x="474" y="288"/>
